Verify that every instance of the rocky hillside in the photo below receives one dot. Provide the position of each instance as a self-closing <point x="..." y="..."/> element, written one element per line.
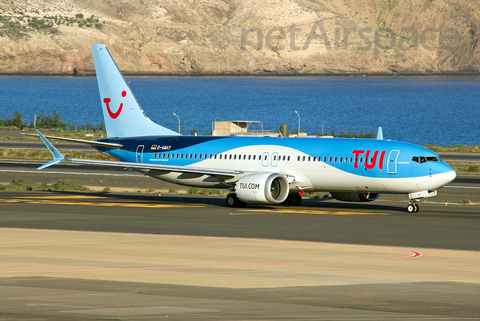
<point x="242" y="36"/>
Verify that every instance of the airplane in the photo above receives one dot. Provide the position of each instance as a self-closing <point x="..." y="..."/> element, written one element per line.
<point x="257" y="170"/>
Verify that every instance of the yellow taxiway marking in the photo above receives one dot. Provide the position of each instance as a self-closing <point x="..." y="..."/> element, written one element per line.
<point x="60" y="197"/>
<point x="118" y="204"/>
<point x="301" y="211"/>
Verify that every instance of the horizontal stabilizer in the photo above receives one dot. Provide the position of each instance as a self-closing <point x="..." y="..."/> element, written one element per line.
<point x="57" y="156"/>
<point x="50" y="163"/>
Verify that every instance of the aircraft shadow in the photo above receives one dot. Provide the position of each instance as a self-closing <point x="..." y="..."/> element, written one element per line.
<point x="219" y="201"/>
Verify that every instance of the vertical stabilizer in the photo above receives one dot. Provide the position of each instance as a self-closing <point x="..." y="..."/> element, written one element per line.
<point x="122" y="114"/>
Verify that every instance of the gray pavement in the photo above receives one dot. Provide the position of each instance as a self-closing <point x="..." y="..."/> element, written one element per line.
<point x="138" y="256"/>
<point x="130" y="256"/>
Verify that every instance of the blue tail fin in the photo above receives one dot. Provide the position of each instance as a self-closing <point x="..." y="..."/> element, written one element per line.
<point x="122" y="114"/>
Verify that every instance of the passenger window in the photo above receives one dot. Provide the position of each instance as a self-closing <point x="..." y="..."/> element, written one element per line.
<point x="266" y="157"/>
<point x="249" y="157"/>
<point x="303" y="158"/>
<point x="309" y="158"/>
<point x="298" y="159"/>
<point x="154" y="155"/>
<point x="288" y="158"/>
<point x="335" y="160"/>
<point x="234" y="156"/>
<point x="254" y="157"/>
<point x="330" y="159"/>
<point x="341" y="159"/>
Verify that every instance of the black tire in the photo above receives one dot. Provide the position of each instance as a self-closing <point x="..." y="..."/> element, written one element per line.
<point x="288" y="201"/>
<point x="293" y="199"/>
<point x="410" y="208"/>
<point x="297" y="200"/>
<point x="233" y="201"/>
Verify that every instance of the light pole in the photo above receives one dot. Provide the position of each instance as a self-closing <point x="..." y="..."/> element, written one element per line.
<point x="298" y="133"/>
<point x="178" y="122"/>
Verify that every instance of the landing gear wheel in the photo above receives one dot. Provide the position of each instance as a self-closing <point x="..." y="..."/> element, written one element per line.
<point x="417" y="208"/>
<point x="410" y="208"/>
<point x="293" y="199"/>
<point x="297" y="200"/>
<point x="233" y="201"/>
<point x="413" y="208"/>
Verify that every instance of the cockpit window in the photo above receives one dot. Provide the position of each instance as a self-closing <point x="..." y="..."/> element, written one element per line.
<point x="424" y="159"/>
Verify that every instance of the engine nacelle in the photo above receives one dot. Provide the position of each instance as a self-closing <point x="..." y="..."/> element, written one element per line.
<point x="355" y="197"/>
<point x="271" y="188"/>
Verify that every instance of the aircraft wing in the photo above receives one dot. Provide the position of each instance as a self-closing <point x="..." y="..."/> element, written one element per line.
<point x="159" y="169"/>
<point x="80" y="141"/>
<point x="152" y="169"/>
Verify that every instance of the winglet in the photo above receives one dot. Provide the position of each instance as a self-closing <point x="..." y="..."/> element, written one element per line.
<point x="57" y="156"/>
<point x="380" y="133"/>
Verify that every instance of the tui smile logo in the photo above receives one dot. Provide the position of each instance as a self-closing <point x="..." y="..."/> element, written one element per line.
<point x="117" y="113"/>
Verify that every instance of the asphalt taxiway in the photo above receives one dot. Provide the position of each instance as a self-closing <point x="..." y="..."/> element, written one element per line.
<point x="131" y="256"/>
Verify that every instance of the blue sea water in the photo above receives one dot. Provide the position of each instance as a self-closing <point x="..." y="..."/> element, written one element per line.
<point x="421" y="110"/>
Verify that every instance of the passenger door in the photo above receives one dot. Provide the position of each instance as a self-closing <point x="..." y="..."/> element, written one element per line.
<point x="392" y="162"/>
<point x="140" y="153"/>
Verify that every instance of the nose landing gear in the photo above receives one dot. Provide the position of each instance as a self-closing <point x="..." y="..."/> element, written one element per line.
<point x="413" y="207"/>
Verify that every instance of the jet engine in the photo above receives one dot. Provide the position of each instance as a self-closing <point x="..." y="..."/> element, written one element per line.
<point x="355" y="197"/>
<point x="271" y="188"/>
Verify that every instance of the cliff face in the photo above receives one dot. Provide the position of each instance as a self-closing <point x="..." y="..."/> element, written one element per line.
<point x="242" y="36"/>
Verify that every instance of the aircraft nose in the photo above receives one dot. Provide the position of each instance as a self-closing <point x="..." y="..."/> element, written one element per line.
<point x="446" y="177"/>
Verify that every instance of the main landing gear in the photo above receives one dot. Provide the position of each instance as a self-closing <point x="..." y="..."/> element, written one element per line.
<point x="293" y="199"/>
<point x="413" y="207"/>
<point x="233" y="201"/>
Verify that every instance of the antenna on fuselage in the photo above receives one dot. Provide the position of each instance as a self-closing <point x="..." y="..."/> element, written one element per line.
<point x="380" y="133"/>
